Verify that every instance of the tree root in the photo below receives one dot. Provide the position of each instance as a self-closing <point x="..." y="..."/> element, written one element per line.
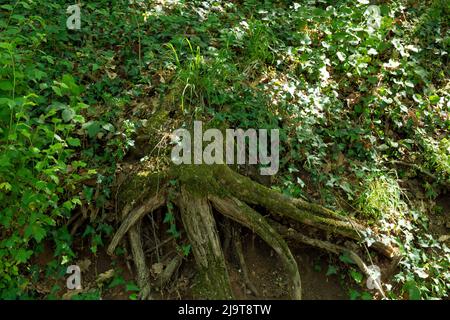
<point x="243" y="214"/>
<point x="327" y="246"/>
<point x="248" y="191"/>
<point x="143" y="274"/>
<point x="227" y="234"/>
<point x="131" y="224"/>
<point x="240" y="254"/>
<point x="165" y="276"/>
<point x="201" y="229"/>
<point x="231" y="194"/>
<point x="134" y="216"/>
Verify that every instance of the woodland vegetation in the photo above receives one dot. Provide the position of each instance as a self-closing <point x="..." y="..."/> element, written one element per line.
<point x="361" y="101"/>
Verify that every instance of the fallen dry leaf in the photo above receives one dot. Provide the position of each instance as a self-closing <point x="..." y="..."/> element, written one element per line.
<point x="157" y="268"/>
<point x="102" y="277"/>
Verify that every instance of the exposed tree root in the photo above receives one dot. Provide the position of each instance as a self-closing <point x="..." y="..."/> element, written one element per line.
<point x="278" y="204"/>
<point x="240" y="254"/>
<point x="134" y="216"/>
<point x="131" y="224"/>
<point x="165" y="276"/>
<point x="231" y="194"/>
<point x="143" y="274"/>
<point x="202" y="233"/>
<point x="243" y="214"/>
<point x="327" y="246"/>
<point x="227" y="234"/>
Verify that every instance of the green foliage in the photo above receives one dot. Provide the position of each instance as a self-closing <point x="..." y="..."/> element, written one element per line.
<point x="38" y="171"/>
<point x="42" y="114"/>
<point x="350" y="100"/>
<point x="381" y="196"/>
<point x="426" y="261"/>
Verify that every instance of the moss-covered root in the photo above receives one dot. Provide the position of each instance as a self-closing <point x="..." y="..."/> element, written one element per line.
<point x="201" y="230"/>
<point x="278" y="204"/>
<point x="143" y="275"/>
<point x="134" y="216"/>
<point x="243" y="214"/>
<point x="289" y="233"/>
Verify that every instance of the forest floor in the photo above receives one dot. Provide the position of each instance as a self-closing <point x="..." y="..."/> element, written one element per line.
<point x="319" y="271"/>
<point x="361" y="99"/>
<point x="267" y="274"/>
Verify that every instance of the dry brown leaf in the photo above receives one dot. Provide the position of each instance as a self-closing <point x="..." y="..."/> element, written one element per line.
<point x="84" y="264"/>
<point x="157" y="268"/>
<point x="102" y="277"/>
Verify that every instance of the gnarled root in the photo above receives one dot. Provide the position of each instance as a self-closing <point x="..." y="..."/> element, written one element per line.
<point x="201" y="229"/>
<point x="327" y="246"/>
<point x="278" y="204"/>
<point x="231" y="194"/>
<point x="171" y="268"/>
<point x="240" y="255"/>
<point x="243" y="214"/>
<point x="134" y="216"/>
<point x="131" y="224"/>
<point x="143" y="274"/>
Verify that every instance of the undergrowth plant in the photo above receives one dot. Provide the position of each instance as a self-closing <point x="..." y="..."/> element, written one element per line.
<point x="361" y="109"/>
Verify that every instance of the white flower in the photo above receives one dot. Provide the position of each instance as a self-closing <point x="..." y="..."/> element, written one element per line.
<point x="392" y="64"/>
<point x="324" y="74"/>
<point x="341" y="56"/>
<point x="244" y="24"/>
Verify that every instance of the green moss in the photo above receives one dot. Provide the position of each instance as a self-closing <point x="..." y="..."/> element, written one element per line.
<point x="198" y="179"/>
<point x="212" y="283"/>
<point x="147" y="136"/>
<point x="141" y="185"/>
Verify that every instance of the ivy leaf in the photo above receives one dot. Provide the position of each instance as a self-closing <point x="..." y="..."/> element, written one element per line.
<point x="356" y="276"/>
<point x="108" y="127"/>
<point x="68" y="114"/>
<point x="92" y="128"/>
<point x="331" y="270"/>
<point x="117" y="281"/>
<point x="366" y="296"/>
<point x="22" y="255"/>
<point x="36" y="231"/>
<point x="73" y="142"/>
<point x="132" y="287"/>
<point x="89" y="230"/>
<point x="186" y="249"/>
<point x="346" y="259"/>
<point x="354" y="294"/>
<point x="168" y="217"/>
<point x="434" y="99"/>
<point x="341" y="56"/>
<point x="413" y="290"/>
